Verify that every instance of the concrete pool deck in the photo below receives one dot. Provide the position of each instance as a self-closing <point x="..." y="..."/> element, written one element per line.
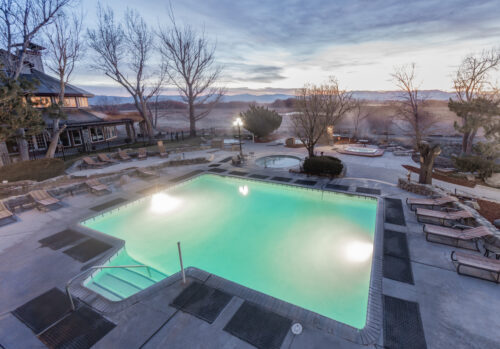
<point x="456" y="311"/>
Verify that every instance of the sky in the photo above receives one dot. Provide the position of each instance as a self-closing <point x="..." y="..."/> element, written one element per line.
<point x="277" y="46"/>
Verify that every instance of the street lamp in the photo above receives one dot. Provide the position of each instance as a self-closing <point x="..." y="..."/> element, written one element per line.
<point x="238" y="122"/>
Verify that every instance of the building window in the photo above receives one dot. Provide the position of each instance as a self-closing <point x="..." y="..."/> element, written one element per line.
<point x="40" y="141"/>
<point x="83" y="102"/>
<point x="110" y="132"/>
<point x="31" y="144"/>
<point x="40" y="102"/>
<point x="96" y="134"/>
<point x="77" y="137"/>
<point x="64" y="139"/>
<point x="70" y="102"/>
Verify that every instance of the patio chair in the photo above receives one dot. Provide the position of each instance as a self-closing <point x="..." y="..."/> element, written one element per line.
<point x="163" y="152"/>
<point x="43" y="200"/>
<point x="95" y="186"/>
<point x="122" y="155"/>
<point x="147" y="173"/>
<point x="489" y="269"/>
<point x="5" y="214"/>
<point x="442" y="201"/>
<point x="143" y="154"/>
<point x="105" y="158"/>
<point x="469" y="236"/>
<point x="87" y="161"/>
<point x="461" y="216"/>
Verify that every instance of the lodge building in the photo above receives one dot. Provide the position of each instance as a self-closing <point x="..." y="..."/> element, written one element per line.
<point x="86" y="129"/>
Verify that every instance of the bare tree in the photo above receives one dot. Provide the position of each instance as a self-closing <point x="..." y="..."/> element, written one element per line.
<point x="360" y="114"/>
<point x="65" y="49"/>
<point x="472" y="82"/>
<point x="419" y="121"/>
<point x="20" y="22"/>
<point x="124" y="53"/>
<point x="318" y="107"/>
<point x="190" y="61"/>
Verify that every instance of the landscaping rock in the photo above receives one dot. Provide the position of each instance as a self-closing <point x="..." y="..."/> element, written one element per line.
<point x="496" y="223"/>
<point x="470" y="177"/>
<point x="124" y="180"/>
<point x="494" y="180"/>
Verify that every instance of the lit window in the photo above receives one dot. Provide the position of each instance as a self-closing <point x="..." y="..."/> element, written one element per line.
<point x="40" y="102"/>
<point x="70" y="102"/>
<point x="83" y="102"/>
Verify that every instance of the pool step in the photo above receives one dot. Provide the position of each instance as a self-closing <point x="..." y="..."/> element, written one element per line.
<point x="119" y="283"/>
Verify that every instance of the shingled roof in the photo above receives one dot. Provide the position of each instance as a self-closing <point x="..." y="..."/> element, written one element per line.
<point x="49" y="86"/>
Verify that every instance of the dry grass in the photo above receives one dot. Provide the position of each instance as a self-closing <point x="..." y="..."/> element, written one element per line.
<point x="37" y="170"/>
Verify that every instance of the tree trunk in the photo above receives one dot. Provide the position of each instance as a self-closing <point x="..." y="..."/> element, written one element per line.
<point x="22" y="144"/>
<point x="310" y="150"/>
<point x="465" y="142"/>
<point x="192" y="120"/>
<point x="51" y="151"/>
<point x="427" y="156"/>
<point x="470" y="142"/>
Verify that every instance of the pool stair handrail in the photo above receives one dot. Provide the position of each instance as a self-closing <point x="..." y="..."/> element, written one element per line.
<point x="98" y="267"/>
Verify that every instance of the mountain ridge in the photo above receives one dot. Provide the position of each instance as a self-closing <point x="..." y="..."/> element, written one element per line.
<point x="379" y="96"/>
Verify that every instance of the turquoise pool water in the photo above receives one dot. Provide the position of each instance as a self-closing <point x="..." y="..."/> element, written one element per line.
<point x="306" y="247"/>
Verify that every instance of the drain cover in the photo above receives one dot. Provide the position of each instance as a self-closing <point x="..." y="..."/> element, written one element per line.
<point x="297" y="328"/>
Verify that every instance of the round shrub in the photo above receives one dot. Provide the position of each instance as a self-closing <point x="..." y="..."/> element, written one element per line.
<point x="37" y="170"/>
<point x="323" y="165"/>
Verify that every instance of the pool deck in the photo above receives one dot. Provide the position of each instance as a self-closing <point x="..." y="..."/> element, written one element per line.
<point x="456" y="311"/>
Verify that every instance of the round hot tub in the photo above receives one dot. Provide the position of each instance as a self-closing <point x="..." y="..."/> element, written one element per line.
<point x="278" y="161"/>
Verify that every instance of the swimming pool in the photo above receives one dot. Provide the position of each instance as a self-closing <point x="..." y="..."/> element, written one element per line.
<point x="362" y="150"/>
<point x="306" y="247"/>
<point x="278" y="161"/>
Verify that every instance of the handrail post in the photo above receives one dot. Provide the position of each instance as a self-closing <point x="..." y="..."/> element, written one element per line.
<point x="180" y="259"/>
<point x="70" y="298"/>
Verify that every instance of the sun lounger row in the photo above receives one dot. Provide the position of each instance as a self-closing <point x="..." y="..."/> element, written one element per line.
<point x="463" y="236"/>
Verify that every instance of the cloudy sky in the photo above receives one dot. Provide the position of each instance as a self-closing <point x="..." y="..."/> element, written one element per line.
<point x="275" y="46"/>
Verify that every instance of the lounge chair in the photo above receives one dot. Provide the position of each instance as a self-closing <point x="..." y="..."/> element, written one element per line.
<point x="43" y="199"/>
<point x="143" y="154"/>
<point x="97" y="187"/>
<point x="489" y="268"/>
<point x="442" y="201"/>
<point x="105" y="158"/>
<point x="122" y="155"/>
<point x="147" y="173"/>
<point x="87" y="161"/>
<point x="455" y="236"/>
<point x="163" y="152"/>
<point x="5" y="214"/>
<point x="462" y="216"/>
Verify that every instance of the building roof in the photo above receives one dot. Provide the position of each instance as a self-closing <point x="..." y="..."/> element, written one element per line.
<point x="49" y="86"/>
<point x="82" y="117"/>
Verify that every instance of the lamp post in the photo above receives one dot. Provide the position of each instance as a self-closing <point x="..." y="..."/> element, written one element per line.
<point x="238" y="122"/>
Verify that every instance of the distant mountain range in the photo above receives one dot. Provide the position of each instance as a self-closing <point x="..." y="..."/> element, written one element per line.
<point x="379" y="96"/>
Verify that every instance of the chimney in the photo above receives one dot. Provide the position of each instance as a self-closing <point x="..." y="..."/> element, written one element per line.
<point x="32" y="57"/>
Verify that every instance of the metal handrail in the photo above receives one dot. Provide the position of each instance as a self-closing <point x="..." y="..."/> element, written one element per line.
<point x="68" y="284"/>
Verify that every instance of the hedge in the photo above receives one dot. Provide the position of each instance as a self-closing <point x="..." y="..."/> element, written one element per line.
<point x="37" y="170"/>
<point x="323" y="165"/>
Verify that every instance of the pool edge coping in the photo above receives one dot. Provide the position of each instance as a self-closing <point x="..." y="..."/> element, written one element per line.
<point x="367" y="335"/>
